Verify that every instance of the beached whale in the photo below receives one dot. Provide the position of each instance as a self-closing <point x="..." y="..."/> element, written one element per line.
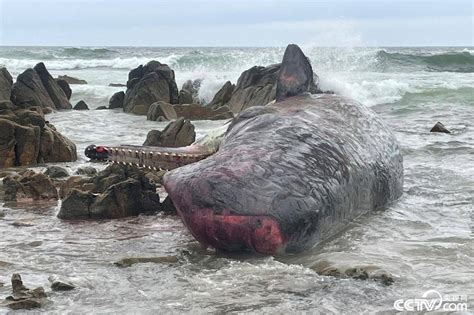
<point x="284" y="176"/>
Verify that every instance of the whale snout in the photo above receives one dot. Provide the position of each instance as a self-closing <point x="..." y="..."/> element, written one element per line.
<point x="213" y="222"/>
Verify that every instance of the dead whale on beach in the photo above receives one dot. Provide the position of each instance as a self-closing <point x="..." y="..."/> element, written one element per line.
<point x="284" y="176"/>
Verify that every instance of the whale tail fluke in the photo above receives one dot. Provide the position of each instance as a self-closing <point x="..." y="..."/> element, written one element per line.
<point x="296" y="74"/>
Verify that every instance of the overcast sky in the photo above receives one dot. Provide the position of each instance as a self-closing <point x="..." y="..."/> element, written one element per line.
<point x="237" y="22"/>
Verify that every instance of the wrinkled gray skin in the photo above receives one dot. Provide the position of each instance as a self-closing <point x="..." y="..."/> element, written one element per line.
<point x="285" y="176"/>
<point x="312" y="163"/>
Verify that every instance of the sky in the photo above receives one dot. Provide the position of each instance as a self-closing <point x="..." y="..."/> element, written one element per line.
<point x="236" y="22"/>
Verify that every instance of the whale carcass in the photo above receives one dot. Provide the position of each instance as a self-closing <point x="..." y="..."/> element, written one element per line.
<point x="284" y="176"/>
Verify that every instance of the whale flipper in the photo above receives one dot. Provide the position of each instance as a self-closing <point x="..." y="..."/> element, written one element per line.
<point x="296" y="74"/>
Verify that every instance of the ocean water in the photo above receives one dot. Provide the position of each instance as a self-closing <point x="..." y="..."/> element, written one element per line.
<point x="425" y="239"/>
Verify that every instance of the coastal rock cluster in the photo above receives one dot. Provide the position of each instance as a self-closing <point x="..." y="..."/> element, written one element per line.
<point x="26" y="138"/>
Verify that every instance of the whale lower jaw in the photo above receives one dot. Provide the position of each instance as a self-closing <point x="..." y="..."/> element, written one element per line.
<point x="259" y="234"/>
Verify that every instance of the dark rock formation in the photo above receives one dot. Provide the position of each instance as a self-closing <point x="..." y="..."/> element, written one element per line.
<point x="6" y="83"/>
<point x="102" y="108"/>
<point x="199" y="112"/>
<point x="222" y="96"/>
<point x="65" y="87"/>
<point x="81" y="105"/>
<point x="128" y="262"/>
<point x="161" y="109"/>
<point x="116" y="101"/>
<point x="190" y="92"/>
<point x="185" y="97"/>
<point x="117" y="85"/>
<point x="168" y="207"/>
<point x="28" y="185"/>
<point x="149" y="84"/>
<point x="60" y="285"/>
<point x="86" y="171"/>
<point x="71" y="80"/>
<point x="55" y="92"/>
<point x="56" y="172"/>
<point x="178" y="133"/>
<point x="23" y="298"/>
<point x="117" y="192"/>
<point x="439" y="127"/>
<point x="29" y="90"/>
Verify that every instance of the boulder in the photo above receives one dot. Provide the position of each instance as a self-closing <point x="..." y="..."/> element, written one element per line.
<point x="86" y="171"/>
<point x="23" y="298"/>
<point x="185" y="97"/>
<point x="55" y="147"/>
<point x="55" y="92"/>
<point x="439" y="127"/>
<point x="31" y="116"/>
<point x="71" y="80"/>
<point x="178" y="133"/>
<point x="116" y="192"/>
<point x="199" y="112"/>
<point x="29" y="185"/>
<point x="29" y="90"/>
<point x="56" y="172"/>
<point x="19" y="145"/>
<point x="167" y="207"/>
<point x="257" y="87"/>
<point x="58" y="284"/>
<point x="65" y="87"/>
<point x="161" y="109"/>
<point x="147" y="85"/>
<point x="116" y="101"/>
<point x="117" y="85"/>
<point x="6" y="105"/>
<point x="222" y="96"/>
<point x="6" y="83"/>
<point x="81" y="105"/>
<point x="190" y="89"/>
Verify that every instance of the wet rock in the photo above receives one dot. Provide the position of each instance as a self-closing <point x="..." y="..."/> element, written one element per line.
<point x="439" y="127"/>
<point x="118" y="191"/>
<point x="71" y="80"/>
<point x="192" y="86"/>
<point x="222" y="96"/>
<point x="65" y="87"/>
<point x="116" y="101"/>
<point x="29" y="185"/>
<point x="56" y="172"/>
<point x="167" y="207"/>
<point x="29" y="90"/>
<point x="6" y="105"/>
<point x="161" y="109"/>
<point x="81" y="105"/>
<point x="55" y="147"/>
<point x="6" y="83"/>
<point x="178" y="133"/>
<point x="19" y="145"/>
<point x="55" y="92"/>
<point x="117" y="84"/>
<point x="149" y="84"/>
<point x="23" y="223"/>
<point x="31" y="116"/>
<point x="185" y="97"/>
<point x="74" y="182"/>
<point x="102" y="108"/>
<point x="128" y="262"/>
<point x="60" y="284"/>
<point x="199" y="112"/>
<point x="86" y="171"/>
<point x="24" y="298"/>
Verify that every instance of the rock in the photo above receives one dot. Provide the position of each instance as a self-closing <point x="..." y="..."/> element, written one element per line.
<point x="6" y="83"/>
<point x="60" y="285"/>
<point x="55" y="92"/>
<point x="31" y="116"/>
<point x="74" y="182"/>
<point x="24" y="298"/>
<point x="116" y="192"/>
<point x="222" y="96"/>
<point x="193" y="87"/>
<point x="167" y="207"/>
<point x="81" y="105"/>
<point x="29" y="90"/>
<point x="101" y="108"/>
<point x="71" y="80"/>
<point x="56" y="172"/>
<point x="161" y="109"/>
<point x="6" y="105"/>
<point x="29" y="185"/>
<point x="178" y="133"/>
<point x="439" y="127"/>
<point x="116" y="101"/>
<point x="149" y="84"/>
<point x="257" y="87"/>
<point x="86" y="170"/>
<point x="19" y="145"/>
<point x="185" y="97"/>
<point x="128" y="262"/>
<point x="65" y="87"/>
<point x="117" y="84"/>
<point x="198" y="112"/>
<point x="55" y="147"/>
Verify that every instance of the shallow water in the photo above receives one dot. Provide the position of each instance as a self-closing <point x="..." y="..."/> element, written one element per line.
<point x="425" y="239"/>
